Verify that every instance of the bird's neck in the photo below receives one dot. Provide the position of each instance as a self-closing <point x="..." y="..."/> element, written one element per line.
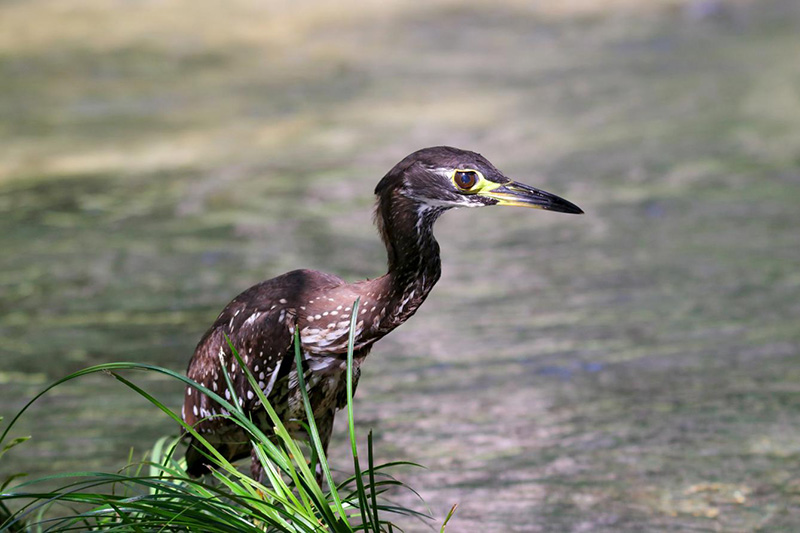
<point x="406" y="227"/>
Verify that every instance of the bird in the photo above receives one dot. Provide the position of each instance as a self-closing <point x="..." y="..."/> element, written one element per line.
<point x="261" y="321"/>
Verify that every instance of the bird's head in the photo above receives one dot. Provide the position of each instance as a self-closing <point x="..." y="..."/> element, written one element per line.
<point x="444" y="177"/>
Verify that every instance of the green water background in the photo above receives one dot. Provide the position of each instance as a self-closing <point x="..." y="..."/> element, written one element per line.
<point x="633" y="369"/>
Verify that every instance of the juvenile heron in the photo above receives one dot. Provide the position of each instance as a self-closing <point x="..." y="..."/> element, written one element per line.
<point x="261" y="321"/>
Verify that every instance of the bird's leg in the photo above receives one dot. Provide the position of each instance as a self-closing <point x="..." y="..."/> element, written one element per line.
<point x="256" y="469"/>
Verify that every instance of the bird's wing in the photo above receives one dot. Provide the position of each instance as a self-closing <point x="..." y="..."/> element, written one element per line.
<point x="260" y="324"/>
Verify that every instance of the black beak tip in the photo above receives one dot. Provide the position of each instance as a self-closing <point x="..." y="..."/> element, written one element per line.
<point x="576" y="210"/>
<point x="564" y="206"/>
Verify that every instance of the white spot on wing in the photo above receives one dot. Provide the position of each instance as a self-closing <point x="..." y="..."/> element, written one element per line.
<point x="252" y="319"/>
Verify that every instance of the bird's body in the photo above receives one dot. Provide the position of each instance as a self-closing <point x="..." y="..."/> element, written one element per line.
<point x="261" y="321"/>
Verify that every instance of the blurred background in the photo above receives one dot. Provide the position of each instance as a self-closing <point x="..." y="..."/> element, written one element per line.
<point x="632" y="369"/>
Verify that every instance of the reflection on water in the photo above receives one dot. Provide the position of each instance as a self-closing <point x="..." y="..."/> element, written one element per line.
<point x="634" y="369"/>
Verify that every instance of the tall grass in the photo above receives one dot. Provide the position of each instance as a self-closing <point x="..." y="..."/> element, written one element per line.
<point x="156" y="494"/>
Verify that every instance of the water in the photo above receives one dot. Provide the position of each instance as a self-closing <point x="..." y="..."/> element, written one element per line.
<point x="634" y="368"/>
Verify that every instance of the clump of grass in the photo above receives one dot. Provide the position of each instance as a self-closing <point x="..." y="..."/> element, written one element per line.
<point x="157" y="494"/>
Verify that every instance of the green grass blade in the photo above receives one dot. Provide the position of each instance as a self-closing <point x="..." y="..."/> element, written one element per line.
<point x="315" y="440"/>
<point x="448" y="517"/>
<point x="372" y="485"/>
<point x="362" y="496"/>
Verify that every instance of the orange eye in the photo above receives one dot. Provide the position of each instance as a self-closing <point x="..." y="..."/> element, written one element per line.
<point x="465" y="179"/>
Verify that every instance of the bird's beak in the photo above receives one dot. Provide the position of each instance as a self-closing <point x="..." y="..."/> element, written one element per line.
<point x="521" y="195"/>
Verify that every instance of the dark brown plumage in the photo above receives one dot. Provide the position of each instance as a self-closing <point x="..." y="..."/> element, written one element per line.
<point x="261" y="321"/>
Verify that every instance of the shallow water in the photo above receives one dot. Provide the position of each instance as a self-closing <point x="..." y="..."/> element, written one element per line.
<point x="632" y="369"/>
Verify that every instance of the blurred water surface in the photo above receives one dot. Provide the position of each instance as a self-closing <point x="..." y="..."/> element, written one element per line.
<point x="633" y="369"/>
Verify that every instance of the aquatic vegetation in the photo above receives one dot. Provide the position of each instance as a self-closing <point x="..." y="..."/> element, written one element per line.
<point x="157" y="493"/>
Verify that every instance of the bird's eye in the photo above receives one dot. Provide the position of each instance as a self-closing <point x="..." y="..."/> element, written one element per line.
<point x="465" y="179"/>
